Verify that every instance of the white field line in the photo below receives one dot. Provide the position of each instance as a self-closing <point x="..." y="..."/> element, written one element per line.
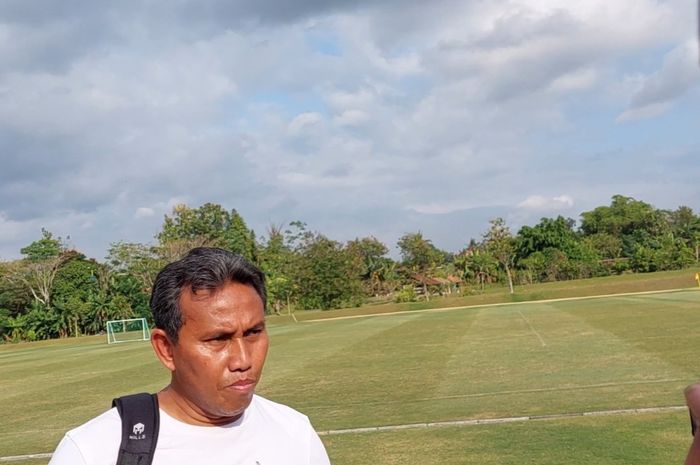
<point x="507" y="392"/>
<point x="532" y="329"/>
<point x="16" y="458"/>
<point x="502" y="304"/>
<point x="436" y="424"/>
<point x="491" y="421"/>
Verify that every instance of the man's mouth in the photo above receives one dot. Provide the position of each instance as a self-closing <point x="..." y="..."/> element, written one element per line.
<point x="243" y="385"/>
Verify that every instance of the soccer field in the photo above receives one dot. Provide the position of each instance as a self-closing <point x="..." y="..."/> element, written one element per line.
<point x="552" y="360"/>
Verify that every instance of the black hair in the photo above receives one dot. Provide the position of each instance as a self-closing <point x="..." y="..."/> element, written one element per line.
<point x="202" y="268"/>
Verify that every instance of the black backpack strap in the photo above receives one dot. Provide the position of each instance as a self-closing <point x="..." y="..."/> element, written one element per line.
<point x="140" y="425"/>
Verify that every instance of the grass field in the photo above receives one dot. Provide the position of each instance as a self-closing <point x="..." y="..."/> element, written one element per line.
<point x="529" y="359"/>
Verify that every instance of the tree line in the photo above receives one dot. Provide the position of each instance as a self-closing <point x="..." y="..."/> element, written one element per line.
<point x="55" y="291"/>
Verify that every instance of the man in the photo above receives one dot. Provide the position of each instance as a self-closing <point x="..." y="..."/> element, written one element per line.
<point x="210" y="333"/>
<point x="692" y="399"/>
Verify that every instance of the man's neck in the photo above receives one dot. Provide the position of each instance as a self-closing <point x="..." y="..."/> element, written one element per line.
<point x="185" y="411"/>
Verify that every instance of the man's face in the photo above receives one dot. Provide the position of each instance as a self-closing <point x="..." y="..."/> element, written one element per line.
<point x="221" y="349"/>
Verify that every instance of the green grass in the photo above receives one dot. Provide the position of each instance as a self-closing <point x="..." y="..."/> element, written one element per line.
<point x="514" y="360"/>
<point x="642" y="439"/>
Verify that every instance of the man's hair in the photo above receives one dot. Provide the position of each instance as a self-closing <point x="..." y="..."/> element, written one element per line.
<point x="202" y="268"/>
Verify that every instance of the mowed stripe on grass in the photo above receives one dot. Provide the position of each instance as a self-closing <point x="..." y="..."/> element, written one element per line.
<point x="581" y="367"/>
<point x="390" y="360"/>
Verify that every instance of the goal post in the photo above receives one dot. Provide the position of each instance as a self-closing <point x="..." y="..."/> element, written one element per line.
<point x="128" y="330"/>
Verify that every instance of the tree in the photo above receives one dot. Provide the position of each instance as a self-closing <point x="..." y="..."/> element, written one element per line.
<point x="369" y="259"/>
<point x="686" y="226"/>
<point x="500" y="243"/>
<point x="38" y="277"/>
<point x="556" y="240"/>
<point x="29" y="326"/>
<point x="669" y="254"/>
<point x="555" y="233"/>
<point x="209" y="224"/>
<point x="324" y="277"/>
<point x="606" y="245"/>
<point x="535" y="266"/>
<point x="75" y="284"/>
<point x="297" y="236"/>
<point x="420" y="255"/>
<point x="77" y="277"/>
<point x="278" y="262"/>
<point x="15" y="296"/>
<point x="35" y="274"/>
<point x="138" y="261"/>
<point x="43" y="249"/>
<point x="5" y="323"/>
<point x="37" y="271"/>
<point x="477" y="264"/>
<point x="632" y="221"/>
<point x="132" y="270"/>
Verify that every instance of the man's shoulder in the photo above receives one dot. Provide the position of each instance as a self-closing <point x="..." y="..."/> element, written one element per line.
<point x="94" y="442"/>
<point x="290" y="430"/>
<point x="107" y="423"/>
<point x="279" y="413"/>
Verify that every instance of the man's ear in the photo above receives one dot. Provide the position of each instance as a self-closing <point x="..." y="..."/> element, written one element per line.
<point x="163" y="347"/>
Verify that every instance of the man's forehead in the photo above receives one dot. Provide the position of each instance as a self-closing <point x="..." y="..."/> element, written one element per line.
<point x="231" y="298"/>
<point x="203" y="293"/>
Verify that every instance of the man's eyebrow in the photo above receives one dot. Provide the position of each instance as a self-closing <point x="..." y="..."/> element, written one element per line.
<point x="214" y="334"/>
<point x="257" y="326"/>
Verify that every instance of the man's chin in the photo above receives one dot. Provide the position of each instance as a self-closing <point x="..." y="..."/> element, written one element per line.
<point x="224" y="416"/>
<point x="236" y="409"/>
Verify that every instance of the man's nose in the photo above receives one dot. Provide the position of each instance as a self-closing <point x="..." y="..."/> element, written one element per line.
<point x="239" y="355"/>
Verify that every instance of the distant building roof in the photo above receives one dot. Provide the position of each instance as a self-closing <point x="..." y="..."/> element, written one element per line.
<point x="428" y="281"/>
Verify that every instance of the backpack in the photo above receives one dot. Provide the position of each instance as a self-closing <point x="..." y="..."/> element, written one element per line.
<point x="140" y="425"/>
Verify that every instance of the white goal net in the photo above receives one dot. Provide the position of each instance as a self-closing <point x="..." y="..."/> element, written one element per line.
<point x="132" y="329"/>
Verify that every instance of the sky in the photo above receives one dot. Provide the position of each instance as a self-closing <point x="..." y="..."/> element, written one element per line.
<point x="358" y="118"/>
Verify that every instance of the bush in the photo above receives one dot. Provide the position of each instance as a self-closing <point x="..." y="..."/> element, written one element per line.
<point x="405" y="294"/>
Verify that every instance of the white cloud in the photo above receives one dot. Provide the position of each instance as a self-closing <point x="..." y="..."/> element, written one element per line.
<point x="551" y="204"/>
<point x="303" y="122"/>
<point x="581" y="79"/>
<point x="144" y="212"/>
<point x="351" y="118"/>
<point x="438" y="208"/>
<point x="9" y="229"/>
<point x="657" y="92"/>
<point x="648" y="111"/>
<point x="344" y="100"/>
<point x="305" y="180"/>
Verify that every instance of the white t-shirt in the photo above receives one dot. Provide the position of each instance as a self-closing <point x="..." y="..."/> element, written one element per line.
<point x="266" y="434"/>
